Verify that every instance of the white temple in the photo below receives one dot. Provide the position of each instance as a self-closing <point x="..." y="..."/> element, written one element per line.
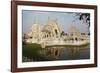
<point x="50" y="34"/>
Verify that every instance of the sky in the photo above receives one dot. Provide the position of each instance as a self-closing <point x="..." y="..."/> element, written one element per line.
<point x="65" y="20"/>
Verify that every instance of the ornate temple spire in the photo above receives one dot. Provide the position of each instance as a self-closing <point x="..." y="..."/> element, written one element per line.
<point x="48" y="21"/>
<point x="36" y="20"/>
<point x="56" y="20"/>
<point x="35" y="24"/>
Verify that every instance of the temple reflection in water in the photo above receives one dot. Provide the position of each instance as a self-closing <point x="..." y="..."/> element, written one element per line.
<point x="65" y="53"/>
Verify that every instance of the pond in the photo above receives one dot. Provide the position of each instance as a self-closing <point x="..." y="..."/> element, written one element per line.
<point x="66" y="53"/>
<point x="60" y="53"/>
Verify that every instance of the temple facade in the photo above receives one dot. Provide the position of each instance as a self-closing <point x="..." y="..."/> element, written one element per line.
<point x="38" y="34"/>
<point x="51" y="34"/>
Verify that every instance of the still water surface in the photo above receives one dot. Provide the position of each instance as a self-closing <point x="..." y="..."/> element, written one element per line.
<point x="59" y="53"/>
<point x="65" y="53"/>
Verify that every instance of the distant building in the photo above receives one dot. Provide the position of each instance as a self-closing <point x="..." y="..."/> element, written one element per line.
<point x="74" y="34"/>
